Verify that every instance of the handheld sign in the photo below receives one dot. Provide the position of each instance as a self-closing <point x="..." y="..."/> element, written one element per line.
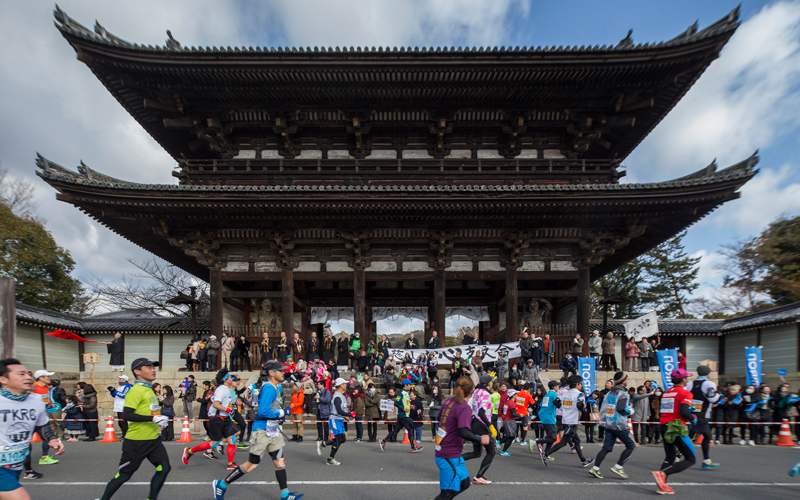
<point x="387" y="405"/>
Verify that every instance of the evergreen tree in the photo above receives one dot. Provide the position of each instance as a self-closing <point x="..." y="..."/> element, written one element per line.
<point x="670" y="278"/>
<point x="627" y="281"/>
<point x="779" y="251"/>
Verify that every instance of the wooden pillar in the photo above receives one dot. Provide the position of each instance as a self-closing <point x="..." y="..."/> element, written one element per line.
<point x="8" y="317"/>
<point x="161" y="350"/>
<point x="305" y="328"/>
<point x="215" y="285"/>
<point x="482" y="332"/>
<point x="494" y="323"/>
<point x="512" y="321"/>
<point x="44" y="351"/>
<point x="360" y="305"/>
<point x="583" y="305"/>
<point x="721" y="352"/>
<point x="439" y="295"/>
<point x="287" y="302"/>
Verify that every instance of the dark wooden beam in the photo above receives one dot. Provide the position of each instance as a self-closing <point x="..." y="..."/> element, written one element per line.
<point x="360" y="305"/>
<point x="721" y="351"/>
<point x="584" y="303"/>
<point x="511" y="305"/>
<point x="215" y="286"/>
<point x="160" y="350"/>
<point x="44" y="351"/>
<point x="235" y="303"/>
<point x="439" y="304"/>
<point x="254" y="294"/>
<point x="8" y="317"/>
<point x="287" y="302"/>
<point x="403" y="276"/>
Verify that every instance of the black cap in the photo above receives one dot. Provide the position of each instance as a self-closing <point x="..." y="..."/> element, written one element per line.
<point x="703" y="370"/>
<point x="140" y="362"/>
<point x="553" y="384"/>
<point x="273" y="365"/>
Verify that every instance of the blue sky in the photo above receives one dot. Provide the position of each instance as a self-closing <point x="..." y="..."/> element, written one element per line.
<point x="747" y="100"/>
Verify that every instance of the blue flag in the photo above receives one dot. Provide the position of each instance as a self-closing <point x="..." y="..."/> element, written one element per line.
<point x="753" y="365"/>
<point x="781" y="372"/>
<point x="667" y="363"/>
<point x="586" y="369"/>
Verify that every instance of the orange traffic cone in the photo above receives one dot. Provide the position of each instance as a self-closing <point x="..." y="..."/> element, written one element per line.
<point x="36" y="438"/>
<point x="110" y="436"/>
<point x="699" y="439"/>
<point x="785" y="436"/>
<point x="405" y="438"/>
<point x="186" y="433"/>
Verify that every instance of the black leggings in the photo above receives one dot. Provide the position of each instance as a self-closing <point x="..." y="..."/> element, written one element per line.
<point x="162" y="470"/>
<point x="551" y="433"/>
<point x="682" y="445"/>
<point x="476" y="453"/>
<point x="403" y="423"/>
<point x="570" y="437"/>
<point x="706" y="445"/>
<point x="335" y="443"/>
<point x="449" y="494"/>
<point x="372" y="429"/>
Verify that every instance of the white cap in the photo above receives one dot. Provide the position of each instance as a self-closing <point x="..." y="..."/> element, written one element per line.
<point x="597" y="332"/>
<point x="339" y="381"/>
<point x="124" y="377"/>
<point x="42" y="373"/>
<point x="212" y="337"/>
<point x="511" y="392"/>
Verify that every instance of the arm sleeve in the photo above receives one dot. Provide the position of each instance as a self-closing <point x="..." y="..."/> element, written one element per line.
<point x="467" y="434"/>
<point x="557" y="402"/>
<point x="622" y="406"/>
<point x="686" y="411"/>
<point x="45" y="432"/>
<point x="130" y="415"/>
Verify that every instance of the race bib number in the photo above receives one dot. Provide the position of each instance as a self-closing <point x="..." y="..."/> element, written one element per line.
<point x="568" y="403"/>
<point x="545" y="403"/>
<point x="440" y="435"/>
<point x="610" y="411"/>
<point x="697" y="406"/>
<point x="668" y="405"/>
<point x="273" y="428"/>
<point x="14" y="454"/>
<point x="155" y="408"/>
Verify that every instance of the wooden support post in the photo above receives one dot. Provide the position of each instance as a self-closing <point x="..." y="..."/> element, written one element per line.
<point x="584" y="305"/>
<point x="161" y="351"/>
<point x="721" y="352"/>
<point x="8" y="317"/>
<point x="360" y="305"/>
<point x="438" y="306"/>
<point x="287" y="302"/>
<point x="494" y="323"/>
<point x="215" y="285"/>
<point x="511" y="305"/>
<point x="44" y="351"/>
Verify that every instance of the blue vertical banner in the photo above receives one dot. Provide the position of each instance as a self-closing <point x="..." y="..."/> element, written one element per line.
<point x="752" y="357"/>
<point x="667" y="363"/>
<point x="586" y="369"/>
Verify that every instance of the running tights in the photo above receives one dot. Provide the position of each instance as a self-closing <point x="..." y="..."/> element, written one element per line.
<point x="507" y="442"/>
<point x="686" y="448"/>
<point x="476" y="453"/>
<point x="162" y="470"/>
<point x="550" y="435"/>
<point x="706" y="445"/>
<point x="231" y="449"/>
<point x="335" y="443"/>
<point x="570" y="437"/>
<point x="449" y="494"/>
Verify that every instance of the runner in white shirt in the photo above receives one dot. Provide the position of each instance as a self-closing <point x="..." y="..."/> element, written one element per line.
<point x="21" y="414"/>
<point x="220" y="425"/>
<point x="572" y="403"/>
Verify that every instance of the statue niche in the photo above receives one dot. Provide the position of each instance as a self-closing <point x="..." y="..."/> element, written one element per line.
<point x="536" y="314"/>
<point x="266" y="314"/>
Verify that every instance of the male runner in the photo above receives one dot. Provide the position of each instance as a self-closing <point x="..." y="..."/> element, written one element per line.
<point x="266" y="435"/>
<point x="547" y="415"/>
<point x="572" y="404"/>
<point x="220" y="427"/>
<point x="614" y="414"/>
<point x="143" y="439"/>
<point x="523" y="400"/>
<point x="20" y="416"/>
<point x="704" y="394"/>
<point x="336" y="420"/>
<point x="676" y="411"/>
<point x="403" y="404"/>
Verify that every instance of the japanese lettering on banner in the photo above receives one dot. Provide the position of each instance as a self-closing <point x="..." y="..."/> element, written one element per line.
<point x="642" y="327"/>
<point x="667" y="363"/>
<point x="387" y="405"/>
<point x="446" y="355"/>
<point x="586" y="369"/>
<point x="753" y="365"/>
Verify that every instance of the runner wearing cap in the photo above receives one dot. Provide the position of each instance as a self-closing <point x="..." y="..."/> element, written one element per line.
<point x="573" y="403"/>
<point x="24" y="415"/>
<point x="403" y="404"/>
<point x="704" y="394"/>
<point x="220" y="425"/>
<point x="266" y="437"/>
<point x="143" y="412"/>
<point x="119" y="400"/>
<point x="676" y="411"/>
<point x="614" y="413"/>
<point x="547" y="414"/>
<point x="338" y="417"/>
<point x="42" y="387"/>
<point x="481" y="404"/>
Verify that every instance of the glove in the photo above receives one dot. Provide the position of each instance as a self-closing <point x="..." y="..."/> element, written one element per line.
<point x="353" y="414"/>
<point x="493" y="431"/>
<point x="161" y="420"/>
<point x="111" y="389"/>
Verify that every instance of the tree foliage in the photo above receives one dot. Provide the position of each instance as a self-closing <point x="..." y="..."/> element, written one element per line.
<point x="627" y="281"/>
<point x="671" y="276"/>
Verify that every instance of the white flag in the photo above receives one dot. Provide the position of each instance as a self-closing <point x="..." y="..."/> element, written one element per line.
<point x="642" y="327"/>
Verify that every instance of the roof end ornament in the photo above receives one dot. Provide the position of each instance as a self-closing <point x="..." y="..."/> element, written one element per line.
<point x="171" y="43"/>
<point x="627" y="42"/>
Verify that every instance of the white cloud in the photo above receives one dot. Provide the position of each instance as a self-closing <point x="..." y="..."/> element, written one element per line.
<point x="746" y="100"/>
<point x="708" y="265"/>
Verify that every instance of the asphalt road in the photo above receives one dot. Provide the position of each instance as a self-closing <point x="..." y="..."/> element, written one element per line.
<point x="367" y="473"/>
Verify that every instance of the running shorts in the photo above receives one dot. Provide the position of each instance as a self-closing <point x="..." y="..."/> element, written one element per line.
<point x="510" y="428"/>
<point x="9" y="479"/>
<point x="134" y="453"/>
<point x="451" y="472"/>
<point x="700" y="427"/>
<point x="526" y="420"/>
<point x="220" y="428"/>
<point x="337" y="426"/>
<point x="260" y="443"/>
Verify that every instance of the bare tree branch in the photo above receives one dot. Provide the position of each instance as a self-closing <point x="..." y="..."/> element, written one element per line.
<point x="17" y="194"/>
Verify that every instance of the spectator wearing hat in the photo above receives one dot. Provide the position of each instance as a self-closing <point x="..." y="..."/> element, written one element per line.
<point x="569" y="365"/>
<point x="213" y="348"/>
<point x="298" y="398"/>
<point x="118" y="393"/>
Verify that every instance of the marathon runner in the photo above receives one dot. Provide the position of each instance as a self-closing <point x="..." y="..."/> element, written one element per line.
<point x="143" y="439"/>
<point x="42" y="387"/>
<point x="481" y="404"/>
<point x="572" y="404"/>
<point x="266" y="435"/>
<point x="455" y="422"/>
<point x="403" y="404"/>
<point x="676" y="412"/>
<point x="338" y="417"/>
<point x="704" y="394"/>
<point x="20" y="416"/>
<point x="614" y="413"/>
<point x="220" y="426"/>
<point x="547" y="415"/>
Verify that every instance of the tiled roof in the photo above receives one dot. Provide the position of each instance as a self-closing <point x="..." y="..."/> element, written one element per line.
<point x="667" y="326"/>
<point x="38" y="316"/>
<point x="789" y="313"/>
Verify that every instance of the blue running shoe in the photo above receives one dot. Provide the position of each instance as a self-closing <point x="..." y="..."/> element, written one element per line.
<point x="708" y="464"/>
<point x="219" y="491"/>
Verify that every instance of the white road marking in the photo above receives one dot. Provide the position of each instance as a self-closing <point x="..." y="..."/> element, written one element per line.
<point x="502" y="483"/>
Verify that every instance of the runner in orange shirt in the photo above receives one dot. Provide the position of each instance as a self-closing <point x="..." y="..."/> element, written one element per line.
<point x="523" y="399"/>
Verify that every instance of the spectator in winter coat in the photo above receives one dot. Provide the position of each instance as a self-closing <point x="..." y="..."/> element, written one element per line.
<point x="632" y="356"/>
<point x="323" y="398"/>
<point x="362" y="362"/>
<point x="296" y="407"/>
<point x="577" y="345"/>
<point x="525" y="346"/>
<point x="372" y="412"/>
<point x="644" y="355"/>
<point x="435" y="402"/>
<point x="514" y="376"/>
<point x="416" y="415"/>
<point x="89" y="410"/>
<point x="609" y="359"/>
<point x="73" y="412"/>
<point x="596" y="348"/>
<point x="569" y="365"/>
<point x="390" y="378"/>
<point x="549" y="349"/>
<point x="213" y="347"/>
<point x="501" y="365"/>
<point x="529" y="374"/>
<point x="641" y="413"/>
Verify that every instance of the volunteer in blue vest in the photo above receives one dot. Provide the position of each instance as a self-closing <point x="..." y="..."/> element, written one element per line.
<point x="119" y="401"/>
<point x="676" y="413"/>
<point x="547" y="414"/>
<point x="614" y="413"/>
<point x="704" y="394"/>
<point x="267" y="436"/>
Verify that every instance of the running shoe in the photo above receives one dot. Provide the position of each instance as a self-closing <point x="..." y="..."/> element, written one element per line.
<point x="505" y="453"/>
<point x="661" y="481"/>
<point x="595" y="471"/>
<point x="320" y="446"/>
<point x="231" y="466"/>
<point x="668" y="491"/>
<point x="242" y="446"/>
<point x="751" y="443"/>
<point x="32" y="474"/>
<point x="497" y="444"/>
<point x="587" y="462"/>
<point x="708" y="464"/>
<point x="543" y="457"/>
<point x="524" y="443"/>
<point x="47" y="460"/>
<point x="332" y="461"/>
<point x="209" y="454"/>
<point x="221" y="450"/>
<point x="293" y="496"/>
<point x="549" y="458"/>
<point x="416" y="449"/>
<point x="532" y="445"/>
<point x="382" y="443"/>
<point x="574" y="451"/>
<point x="219" y="491"/>
<point x="480" y="480"/>
<point x="794" y="470"/>
<point x="185" y="457"/>
<point x="516" y="439"/>
<point x="619" y="471"/>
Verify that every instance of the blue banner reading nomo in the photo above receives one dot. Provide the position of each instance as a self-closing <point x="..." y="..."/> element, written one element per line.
<point x="752" y="356"/>
<point x="586" y="370"/>
<point x="667" y="363"/>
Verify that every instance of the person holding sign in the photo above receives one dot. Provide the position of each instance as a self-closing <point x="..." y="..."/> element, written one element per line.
<point x="403" y="404"/>
<point x="676" y="412"/>
<point x="454" y="429"/>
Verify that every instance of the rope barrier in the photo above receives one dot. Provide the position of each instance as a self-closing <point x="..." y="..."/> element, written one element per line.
<point x="389" y="421"/>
